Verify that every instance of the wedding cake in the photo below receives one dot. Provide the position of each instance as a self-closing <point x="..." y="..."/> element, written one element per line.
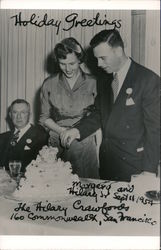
<point x="46" y="177"/>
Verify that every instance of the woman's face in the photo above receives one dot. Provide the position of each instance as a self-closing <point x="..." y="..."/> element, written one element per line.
<point x="70" y="65"/>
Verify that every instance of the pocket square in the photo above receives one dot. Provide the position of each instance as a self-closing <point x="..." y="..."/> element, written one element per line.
<point x="140" y="149"/>
<point x="26" y="148"/>
<point x="130" y="102"/>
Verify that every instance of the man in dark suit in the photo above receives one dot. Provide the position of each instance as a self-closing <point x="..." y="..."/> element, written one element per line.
<point x="127" y="110"/>
<point x="24" y="141"/>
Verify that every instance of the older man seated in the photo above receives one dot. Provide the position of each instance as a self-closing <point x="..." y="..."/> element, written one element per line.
<point x="25" y="140"/>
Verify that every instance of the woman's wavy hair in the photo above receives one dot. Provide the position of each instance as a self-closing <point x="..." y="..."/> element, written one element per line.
<point x="68" y="46"/>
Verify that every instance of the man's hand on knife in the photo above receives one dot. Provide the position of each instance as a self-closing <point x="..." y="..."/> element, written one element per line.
<point x="68" y="136"/>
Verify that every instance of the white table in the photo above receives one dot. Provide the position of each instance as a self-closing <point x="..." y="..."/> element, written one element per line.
<point x="122" y="228"/>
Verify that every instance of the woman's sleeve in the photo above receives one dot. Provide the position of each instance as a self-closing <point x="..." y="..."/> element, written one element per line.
<point x="44" y="103"/>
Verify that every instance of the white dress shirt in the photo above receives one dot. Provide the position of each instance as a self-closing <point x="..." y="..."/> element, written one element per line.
<point x="22" y="130"/>
<point x="122" y="73"/>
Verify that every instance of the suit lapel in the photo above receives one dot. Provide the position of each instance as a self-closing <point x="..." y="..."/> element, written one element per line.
<point x="118" y="108"/>
<point x="107" y="97"/>
<point x="23" y="140"/>
<point x="8" y="140"/>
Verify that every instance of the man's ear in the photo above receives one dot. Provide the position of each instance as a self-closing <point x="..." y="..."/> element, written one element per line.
<point x="119" y="51"/>
<point x="30" y="115"/>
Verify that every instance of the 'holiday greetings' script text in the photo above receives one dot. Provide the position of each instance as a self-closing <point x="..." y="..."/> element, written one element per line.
<point x="72" y="20"/>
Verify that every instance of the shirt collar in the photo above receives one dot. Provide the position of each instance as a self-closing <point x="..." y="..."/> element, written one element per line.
<point x="123" y="71"/>
<point x="23" y="130"/>
<point x="121" y="74"/>
<point x="80" y="80"/>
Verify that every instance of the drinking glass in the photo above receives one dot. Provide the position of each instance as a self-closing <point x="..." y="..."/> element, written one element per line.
<point x="15" y="168"/>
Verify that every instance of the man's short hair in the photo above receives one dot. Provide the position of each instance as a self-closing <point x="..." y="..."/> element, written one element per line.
<point x="19" y="101"/>
<point x="112" y="37"/>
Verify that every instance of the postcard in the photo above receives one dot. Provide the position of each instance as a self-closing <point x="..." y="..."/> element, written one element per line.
<point x="79" y="125"/>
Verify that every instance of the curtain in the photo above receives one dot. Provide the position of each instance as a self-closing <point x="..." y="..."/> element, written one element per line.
<point x="24" y="49"/>
<point x="152" y="40"/>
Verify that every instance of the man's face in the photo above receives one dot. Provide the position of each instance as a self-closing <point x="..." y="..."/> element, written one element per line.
<point x="20" y="115"/>
<point x="108" y="58"/>
<point x="70" y="65"/>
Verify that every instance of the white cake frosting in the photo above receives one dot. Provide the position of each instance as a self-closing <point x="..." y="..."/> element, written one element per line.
<point x="46" y="177"/>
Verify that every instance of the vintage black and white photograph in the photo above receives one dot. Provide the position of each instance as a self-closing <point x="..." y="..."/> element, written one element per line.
<point x="80" y="122"/>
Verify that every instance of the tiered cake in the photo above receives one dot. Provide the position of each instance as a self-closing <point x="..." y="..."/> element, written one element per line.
<point x="46" y="177"/>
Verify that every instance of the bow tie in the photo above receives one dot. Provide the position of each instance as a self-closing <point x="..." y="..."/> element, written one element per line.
<point x="15" y="137"/>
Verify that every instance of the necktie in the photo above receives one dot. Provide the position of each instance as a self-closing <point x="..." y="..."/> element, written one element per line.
<point x="115" y="86"/>
<point x="15" y="137"/>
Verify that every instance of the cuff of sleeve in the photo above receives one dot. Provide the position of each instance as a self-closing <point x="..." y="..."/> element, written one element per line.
<point x="77" y="133"/>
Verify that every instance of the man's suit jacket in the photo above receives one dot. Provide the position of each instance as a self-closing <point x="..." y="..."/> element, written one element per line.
<point x="130" y="126"/>
<point x="26" y="148"/>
